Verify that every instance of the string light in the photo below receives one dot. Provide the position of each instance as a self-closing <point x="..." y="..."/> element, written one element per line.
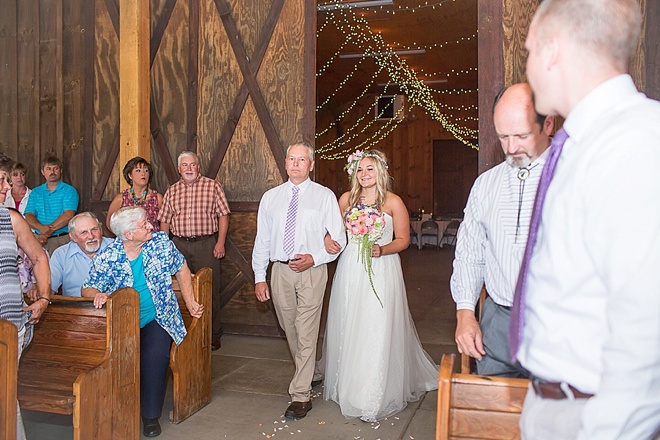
<point x="388" y="8"/>
<point x="435" y="45"/>
<point x="350" y="107"/>
<point x="356" y="29"/>
<point x="454" y="91"/>
<point x="340" y="141"/>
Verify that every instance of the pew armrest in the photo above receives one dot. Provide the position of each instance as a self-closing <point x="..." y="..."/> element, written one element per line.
<point x="190" y="361"/>
<point x="113" y="386"/>
<point x="8" y="379"/>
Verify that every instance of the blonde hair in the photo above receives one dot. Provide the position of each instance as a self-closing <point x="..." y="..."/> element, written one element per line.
<point x="383" y="178"/>
<point x="609" y="28"/>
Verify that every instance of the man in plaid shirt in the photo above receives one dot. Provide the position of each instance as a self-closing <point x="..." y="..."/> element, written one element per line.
<point x="196" y="211"/>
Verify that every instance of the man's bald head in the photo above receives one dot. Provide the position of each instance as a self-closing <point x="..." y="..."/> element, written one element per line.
<point x="523" y="133"/>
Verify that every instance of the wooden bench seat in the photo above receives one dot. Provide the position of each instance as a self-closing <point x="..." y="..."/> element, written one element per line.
<point x="477" y="407"/>
<point x="85" y="362"/>
<point x="8" y="378"/>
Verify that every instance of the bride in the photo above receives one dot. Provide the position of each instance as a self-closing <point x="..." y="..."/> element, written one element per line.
<point x="373" y="360"/>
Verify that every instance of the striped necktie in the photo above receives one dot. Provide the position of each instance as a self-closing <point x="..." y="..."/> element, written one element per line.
<point x="516" y="324"/>
<point x="290" y="225"/>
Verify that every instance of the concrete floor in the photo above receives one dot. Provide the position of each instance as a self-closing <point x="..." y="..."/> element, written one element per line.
<point x="251" y="377"/>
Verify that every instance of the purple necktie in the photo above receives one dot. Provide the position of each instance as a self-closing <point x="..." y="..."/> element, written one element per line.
<point x="516" y="323"/>
<point x="290" y="225"/>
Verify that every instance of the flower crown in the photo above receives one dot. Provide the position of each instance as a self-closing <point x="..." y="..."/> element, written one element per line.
<point x="355" y="158"/>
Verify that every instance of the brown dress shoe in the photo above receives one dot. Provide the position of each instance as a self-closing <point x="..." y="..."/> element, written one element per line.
<point x="215" y="343"/>
<point x="298" y="410"/>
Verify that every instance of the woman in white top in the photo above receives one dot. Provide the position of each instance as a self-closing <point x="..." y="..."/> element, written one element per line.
<point x="17" y="198"/>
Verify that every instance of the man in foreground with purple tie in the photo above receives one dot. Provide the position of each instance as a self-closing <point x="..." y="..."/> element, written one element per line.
<point x="586" y="314"/>
<point x="293" y="220"/>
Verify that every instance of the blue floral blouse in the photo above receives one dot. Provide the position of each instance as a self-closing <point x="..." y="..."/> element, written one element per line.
<point x="111" y="270"/>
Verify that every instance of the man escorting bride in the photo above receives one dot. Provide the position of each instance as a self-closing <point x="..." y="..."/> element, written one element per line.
<point x="373" y="360"/>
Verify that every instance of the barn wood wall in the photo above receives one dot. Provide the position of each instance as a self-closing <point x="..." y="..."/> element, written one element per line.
<point x="52" y="101"/>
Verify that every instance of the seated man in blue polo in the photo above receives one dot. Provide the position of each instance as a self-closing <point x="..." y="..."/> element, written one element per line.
<point x="51" y="206"/>
<point x="69" y="265"/>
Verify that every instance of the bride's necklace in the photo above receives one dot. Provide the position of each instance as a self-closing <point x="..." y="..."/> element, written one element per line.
<point x="523" y="174"/>
<point x="141" y="199"/>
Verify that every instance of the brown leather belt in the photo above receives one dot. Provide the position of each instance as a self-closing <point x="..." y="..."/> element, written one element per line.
<point x="193" y="239"/>
<point x="555" y="391"/>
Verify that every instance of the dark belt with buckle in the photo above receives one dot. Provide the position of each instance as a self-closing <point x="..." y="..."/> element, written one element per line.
<point x="555" y="390"/>
<point x="59" y="235"/>
<point x="195" y="238"/>
<point x="286" y="261"/>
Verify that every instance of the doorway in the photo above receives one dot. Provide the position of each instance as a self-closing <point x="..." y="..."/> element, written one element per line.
<point x="455" y="167"/>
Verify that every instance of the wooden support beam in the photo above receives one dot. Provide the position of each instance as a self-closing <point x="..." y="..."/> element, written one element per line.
<point x="309" y="116"/>
<point x="491" y="79"/>
<point x="503" y="26"/>
<point x="652" y="49"/>
<point x="134" y="94"/>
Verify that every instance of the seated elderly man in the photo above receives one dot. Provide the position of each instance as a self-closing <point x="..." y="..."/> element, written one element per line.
<point x="69" y="265"/>
<point x="146" y="261"/>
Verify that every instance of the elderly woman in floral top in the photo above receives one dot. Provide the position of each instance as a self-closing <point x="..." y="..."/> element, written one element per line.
<point x="146" y="261"/>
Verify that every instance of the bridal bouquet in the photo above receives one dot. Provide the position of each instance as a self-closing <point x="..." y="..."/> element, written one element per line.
<point x="365" y="225"/>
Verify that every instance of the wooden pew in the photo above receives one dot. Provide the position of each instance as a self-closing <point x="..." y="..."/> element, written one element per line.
<point x="190" y="361"/>
<point x="8" y="378"/>
<point x="477" y="407"/>
<point x="85" y="362"/>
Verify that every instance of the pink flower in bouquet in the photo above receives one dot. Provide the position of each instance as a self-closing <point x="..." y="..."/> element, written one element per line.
<point x="366" y="224"/>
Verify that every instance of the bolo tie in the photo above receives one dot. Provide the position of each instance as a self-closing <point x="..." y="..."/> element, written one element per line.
<point x="523" y="174"/>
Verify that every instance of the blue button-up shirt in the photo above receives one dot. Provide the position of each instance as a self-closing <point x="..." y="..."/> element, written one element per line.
<point x="69" y="267"/>
<point x="111" y="270"/>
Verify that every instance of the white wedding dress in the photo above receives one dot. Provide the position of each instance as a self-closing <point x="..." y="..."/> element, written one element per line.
<point x="374" y="362"/>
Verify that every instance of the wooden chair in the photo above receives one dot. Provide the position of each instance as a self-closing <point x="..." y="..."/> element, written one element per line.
<point x="467" y="361"/>
<point x="85" y="362"/>
<point x="8" y="379"/>
<point x="477" y="407"/>
<point x="190" y="361"/>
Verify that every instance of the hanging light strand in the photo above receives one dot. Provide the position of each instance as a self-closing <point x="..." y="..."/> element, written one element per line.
<point x="357" y="29"/>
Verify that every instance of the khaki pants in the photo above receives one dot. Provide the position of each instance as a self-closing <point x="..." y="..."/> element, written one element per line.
<point x="298" y="299"/>
<point x="54" y="242"/>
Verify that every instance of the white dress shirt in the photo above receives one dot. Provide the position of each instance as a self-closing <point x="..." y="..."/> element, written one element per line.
<point x="593" y="300"/>
<point x="318" y="213"/>
<point x="10" y="203"/>
<point x="490" y="246"/>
